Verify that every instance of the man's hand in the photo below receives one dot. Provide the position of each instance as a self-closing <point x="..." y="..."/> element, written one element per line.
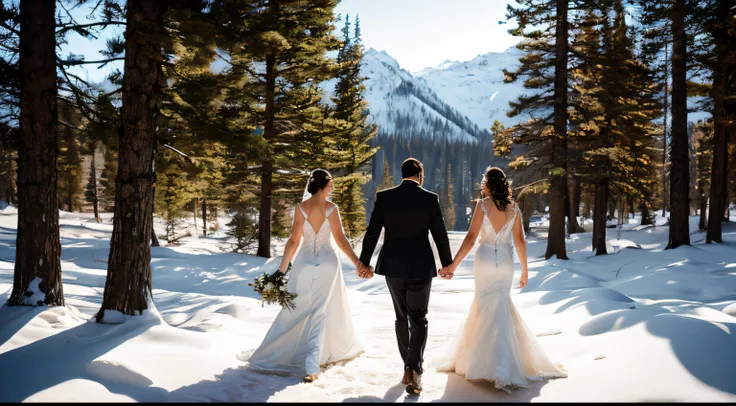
<point x="446" y="273"/>
<point x="369" y="272"/>
<point x="364" y="270"/>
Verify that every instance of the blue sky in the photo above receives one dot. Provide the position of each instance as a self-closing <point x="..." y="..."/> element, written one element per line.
<point x="418" y="33"/>
<point x="422" y="33"/>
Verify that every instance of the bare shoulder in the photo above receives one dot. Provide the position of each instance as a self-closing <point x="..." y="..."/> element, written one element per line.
<point x="332" y="207"/>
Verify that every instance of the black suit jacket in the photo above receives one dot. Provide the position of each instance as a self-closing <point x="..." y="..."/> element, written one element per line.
<point x="408" y="213"/>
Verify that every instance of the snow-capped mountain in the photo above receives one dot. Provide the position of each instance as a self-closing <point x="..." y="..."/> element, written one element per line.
<point x="476" y="87"/>
<point x="400" y="103"/>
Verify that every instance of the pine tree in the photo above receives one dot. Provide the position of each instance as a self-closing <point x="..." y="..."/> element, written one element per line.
<point x="544" y="69"/>
<point x="448" y="208"/>
<point x="38" y="249"/>
<point x="713" y="50"/>
<point x="703" y="144"/>
<point x="291" y="39"/>
<point x="128" y="283"/>
<point x="107" y="180"/>
<point x="613" y="110"/>
<point x="353" y="133"/>
<point x="388" y="179"/>
<point x="69" y="162"/>
<point x="679" y="175"/>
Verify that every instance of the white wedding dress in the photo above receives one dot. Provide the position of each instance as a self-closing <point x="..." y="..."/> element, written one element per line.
<point x="494" y="344"/>
<point x="320" y="330"/>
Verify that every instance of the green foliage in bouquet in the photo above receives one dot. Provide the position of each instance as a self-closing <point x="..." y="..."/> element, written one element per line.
<point x="273" y="289"/>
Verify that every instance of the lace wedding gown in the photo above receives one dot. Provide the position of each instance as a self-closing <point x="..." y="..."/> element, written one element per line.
<point x="320" y="330"/>
<point x="494" y="344"/>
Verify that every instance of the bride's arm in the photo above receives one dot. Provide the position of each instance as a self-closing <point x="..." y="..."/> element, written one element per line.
<point x="470" y="237"/>
<point x="520" y="244"/>
<point x="342" y="241"/>
<point x="293" y="243"/>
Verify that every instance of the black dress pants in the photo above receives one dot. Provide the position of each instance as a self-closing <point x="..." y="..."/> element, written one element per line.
<point x="411" y="301"/>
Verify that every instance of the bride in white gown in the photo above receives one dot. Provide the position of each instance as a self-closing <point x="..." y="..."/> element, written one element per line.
<point x="494" y="344"/>
<point x="320" y="330"/>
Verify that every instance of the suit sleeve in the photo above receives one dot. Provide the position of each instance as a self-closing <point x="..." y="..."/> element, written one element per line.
<point x="373" y="233"/>
<point x="439" y="234"/>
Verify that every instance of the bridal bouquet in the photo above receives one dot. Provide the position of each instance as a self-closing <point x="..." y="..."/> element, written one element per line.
<point x="273" y="289"/>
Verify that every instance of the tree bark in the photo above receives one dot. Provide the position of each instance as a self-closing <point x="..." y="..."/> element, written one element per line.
<point x="38" y="250"/>
<point x="128" y="284"/>
<point x="664" y="137"/>
<point x="680" y="172"/>
<point x="558" y="184"/>
<point x="611" y="207"/>
<point x="573" y="189"/>
<point x="204" y="216"/>
<point x="194" y="203"/>
<point x="527" y="214"/>
<point x="599" y="218"/>
<point x="95" y="199"/>
<point x="702" y="224"/>
<point x="646" y="215"/>
<point x="10" y="179"/>
<point x="718" y="175"/>
<point x="264" y="216"/>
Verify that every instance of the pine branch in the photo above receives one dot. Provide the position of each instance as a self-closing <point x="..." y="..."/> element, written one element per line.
<point x="82" y="26"/>
<point x="9" y="28"/>
<point x="104" y="62"/>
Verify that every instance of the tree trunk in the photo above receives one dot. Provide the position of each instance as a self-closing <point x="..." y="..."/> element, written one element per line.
<point x="558" y="183"/>
<point x="204" y="216"/>
<point x="680" y="172"/>
<point x="10" y="178"/>
<point x="264" y="216"/>
<point x="718" y="175"/>
<point x="646" y="215"/>
<point x="702" y="224"/>
<point x="611" y="207"/>
<point x="38" y="250"/>
<point x="194" y="203"/>
<point x="666" y="127"/>
<point x="577" y="195"/>
<point x="573" y="193"/>
<point x="599" y="218"/>
<point x="128" y="284"/>
<point x="95" y="199"/>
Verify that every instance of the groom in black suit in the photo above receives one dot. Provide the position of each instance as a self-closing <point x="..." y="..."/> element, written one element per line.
<point x="408" y="213"/>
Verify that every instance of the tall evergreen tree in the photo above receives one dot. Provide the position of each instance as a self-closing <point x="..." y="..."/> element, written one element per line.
<point x="703" y="144"/>
<point x="544" y="26"/>
<point x="679" y="175"/>
<point x="37" y="277"/>
<point x="715" y="50"/>
<point x="128" y="283"/>
<point x="291" y="39"/>
<point x="354" y="132"/>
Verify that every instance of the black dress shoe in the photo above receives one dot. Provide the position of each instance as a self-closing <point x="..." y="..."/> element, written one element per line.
<point x="415" y="383"/>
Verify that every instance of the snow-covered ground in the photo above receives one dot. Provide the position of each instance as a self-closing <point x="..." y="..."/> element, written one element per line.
<point x="641" y="324"/>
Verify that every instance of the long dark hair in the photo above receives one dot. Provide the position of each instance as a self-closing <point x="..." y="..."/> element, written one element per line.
<point x="318" y="181"/>
<point x="499" y="187"/>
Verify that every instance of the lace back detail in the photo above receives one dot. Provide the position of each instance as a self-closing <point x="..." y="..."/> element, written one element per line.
<point x="313" y="239"/>
<point x="489" y="235"/>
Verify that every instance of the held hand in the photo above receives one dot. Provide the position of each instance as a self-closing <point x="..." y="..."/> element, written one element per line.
<point x="524" y="279"/>
<point x="447" y="272"/>
<point x="369" y="272"/>
<point x="362" y="270"/>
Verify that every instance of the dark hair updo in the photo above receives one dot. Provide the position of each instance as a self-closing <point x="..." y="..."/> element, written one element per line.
<point x="495" y="183"/>
<point x="318" y="180"/>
